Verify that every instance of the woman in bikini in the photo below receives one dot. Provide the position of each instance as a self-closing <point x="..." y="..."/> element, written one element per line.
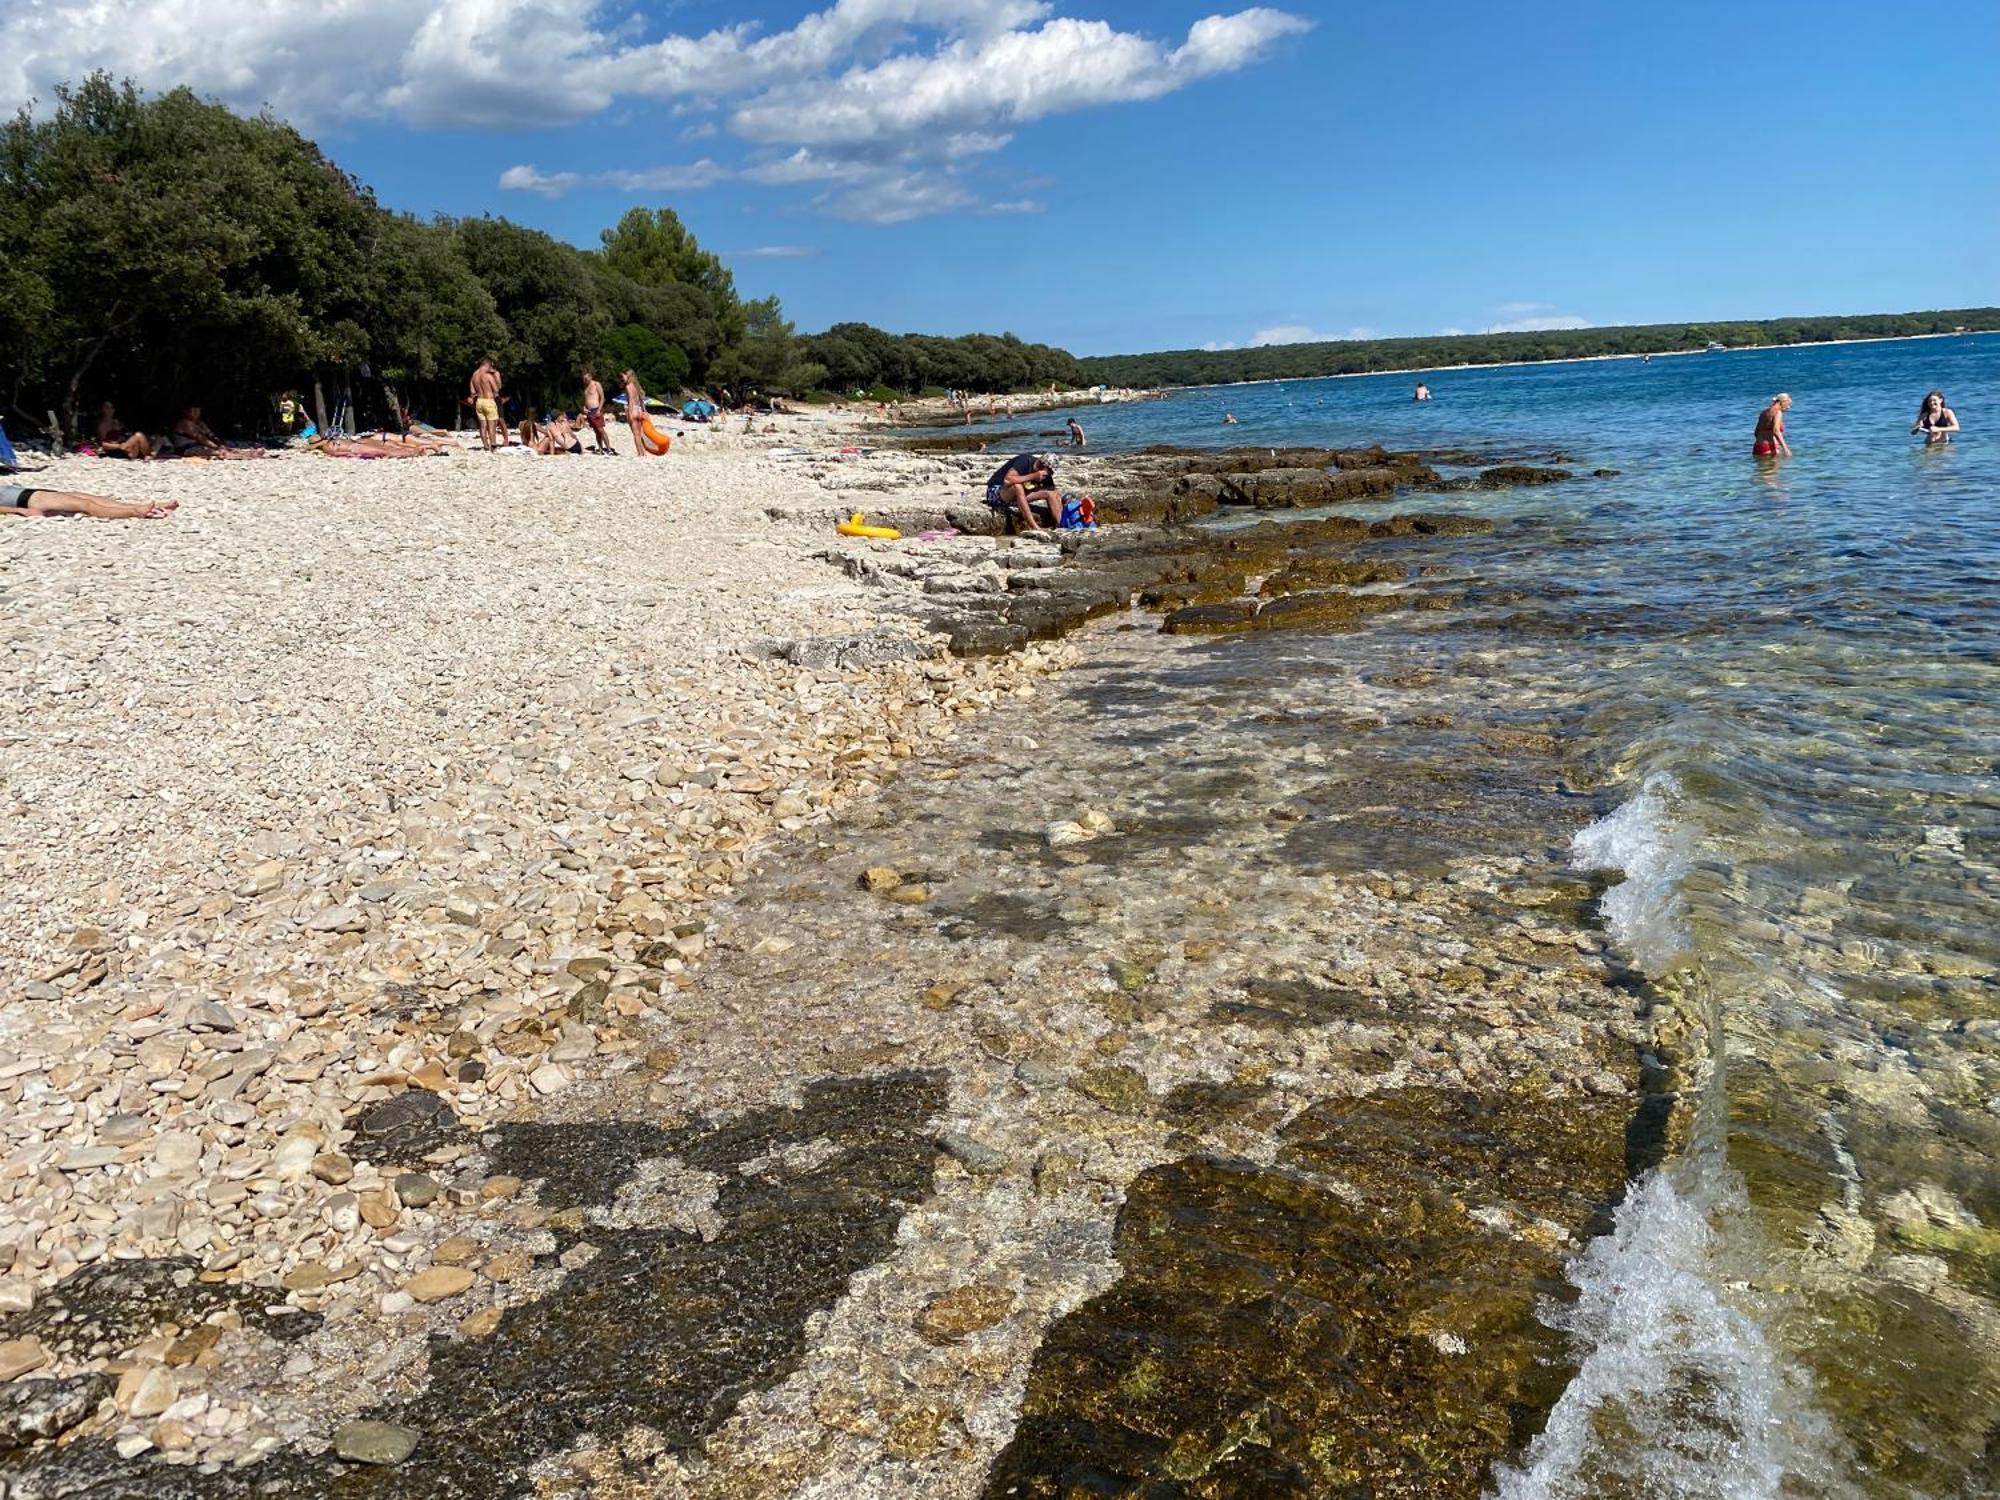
<point x="1770" y="438"/>
<point x="114" y="441"/>
<point x="1936" y="421"/>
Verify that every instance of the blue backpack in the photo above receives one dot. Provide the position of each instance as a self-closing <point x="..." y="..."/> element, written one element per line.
<point x="8" y="461"/>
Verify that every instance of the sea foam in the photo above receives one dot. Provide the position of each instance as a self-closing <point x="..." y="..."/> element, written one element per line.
<point x="1654" y="848"/>
<point x="1680" y="1394"/>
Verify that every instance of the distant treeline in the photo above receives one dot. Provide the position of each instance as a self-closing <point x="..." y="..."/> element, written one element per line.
<point x="1307" y="361"/>
<point x="166" y="251"/>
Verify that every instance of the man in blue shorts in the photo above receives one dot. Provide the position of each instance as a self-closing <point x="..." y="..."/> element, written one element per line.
<point x="1024" y="482"/>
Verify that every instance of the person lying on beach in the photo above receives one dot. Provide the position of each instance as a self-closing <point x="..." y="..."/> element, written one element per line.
<point x="114" y="441"/>
<point x="26" y="500"/>
<point x="1936" y="421"/>
<point x="381" y="446"/>
<point x="1024" y="482"/>
<point x="1770" y="438"/>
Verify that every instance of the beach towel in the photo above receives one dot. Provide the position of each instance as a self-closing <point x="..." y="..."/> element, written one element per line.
<point x="8" y="461"/>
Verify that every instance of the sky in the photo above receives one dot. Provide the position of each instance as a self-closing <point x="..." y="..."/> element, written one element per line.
<point x="1114" y="176"/>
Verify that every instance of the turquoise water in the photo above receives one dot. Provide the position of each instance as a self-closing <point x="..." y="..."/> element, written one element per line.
<point x="1780" y="683"/>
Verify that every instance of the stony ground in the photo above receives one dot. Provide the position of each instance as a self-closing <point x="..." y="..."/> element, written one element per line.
<point x="347" y="740"/>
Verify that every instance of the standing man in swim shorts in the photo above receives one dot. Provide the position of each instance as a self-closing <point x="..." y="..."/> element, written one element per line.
<point x="593" y="410"/>
<point x="486" y="405"/>
<point x="1770" y="439"/>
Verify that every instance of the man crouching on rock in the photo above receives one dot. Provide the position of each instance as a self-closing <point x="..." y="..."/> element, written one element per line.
<point x="1022" y="483"/>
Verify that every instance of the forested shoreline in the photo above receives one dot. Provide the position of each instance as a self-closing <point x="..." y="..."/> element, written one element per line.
<point x="1360" y="357"/>
<point x="163" y="251"/>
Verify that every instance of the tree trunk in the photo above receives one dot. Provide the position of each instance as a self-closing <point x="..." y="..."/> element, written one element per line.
<point x="319" y="405"/>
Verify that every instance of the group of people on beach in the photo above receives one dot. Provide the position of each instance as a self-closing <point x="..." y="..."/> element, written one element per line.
<point x="1936" y="421"/>
<point x="189" y="437"/>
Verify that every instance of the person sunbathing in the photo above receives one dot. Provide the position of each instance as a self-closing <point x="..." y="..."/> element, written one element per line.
<point x="381" y="446"/>
<point x="558" y="437"/>
<point x="191" y="438"/>
<point x="26" y="500"/>
<point x="114" y="441"/>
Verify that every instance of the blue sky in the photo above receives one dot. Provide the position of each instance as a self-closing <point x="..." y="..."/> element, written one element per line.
<point x="1113" y="176"/>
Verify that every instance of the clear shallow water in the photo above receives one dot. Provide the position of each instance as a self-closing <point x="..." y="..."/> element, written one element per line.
<point x="1783" y="682"/>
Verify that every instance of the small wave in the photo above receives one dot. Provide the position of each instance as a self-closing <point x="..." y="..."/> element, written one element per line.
<point x="1680" y="1395"/>
<point x="1645" y="839"/>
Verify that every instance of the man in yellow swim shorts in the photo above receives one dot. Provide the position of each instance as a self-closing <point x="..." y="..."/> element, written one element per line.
<point x="486" y="405"/>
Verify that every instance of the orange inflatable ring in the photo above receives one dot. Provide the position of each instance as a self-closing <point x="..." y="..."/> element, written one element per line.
<point x="651" y="438"/>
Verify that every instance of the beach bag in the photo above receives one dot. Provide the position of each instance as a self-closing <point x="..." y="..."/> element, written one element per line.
<point x="1079" y="513"/>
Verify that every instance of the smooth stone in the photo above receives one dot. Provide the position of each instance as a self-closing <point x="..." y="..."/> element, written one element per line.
<point x="438" y="1283"/>
<point x="380" y="1443"/>
<point x="19" y="1356"/>
<point x="415" y="1190"/>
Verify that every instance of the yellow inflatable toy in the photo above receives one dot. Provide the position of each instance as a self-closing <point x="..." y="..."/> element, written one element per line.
<point x="856" y="525"/>
<point x="655" y="441"/>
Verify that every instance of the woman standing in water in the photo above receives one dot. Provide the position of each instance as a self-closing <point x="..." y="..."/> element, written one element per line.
<point x="1936" y="421"/>
<point x="1770" y="439"/>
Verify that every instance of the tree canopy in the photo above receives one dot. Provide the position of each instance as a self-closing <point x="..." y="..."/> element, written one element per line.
<point x="166" y="251"/>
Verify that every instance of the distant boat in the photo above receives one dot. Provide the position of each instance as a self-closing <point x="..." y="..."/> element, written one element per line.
<point x="1713" y="346"/>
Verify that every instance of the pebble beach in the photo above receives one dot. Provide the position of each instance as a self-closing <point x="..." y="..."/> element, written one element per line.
<point x="460" y="729"/>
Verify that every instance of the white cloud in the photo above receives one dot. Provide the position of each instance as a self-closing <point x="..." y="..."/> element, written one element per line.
<point x="1522" y="317"/>
<point x="773" y="252"/>
<point x="1300" y="333"/>
<point x="524" y="179"/>
<point x="694" y="175"/>
<point x="1008" y="78"/>
<point x="886" y="104"/>
<point x="1540" y="324"/>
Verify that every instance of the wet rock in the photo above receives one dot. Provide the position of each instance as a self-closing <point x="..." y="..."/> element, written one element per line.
<point x="120" y="1302"/>
<point x="1293" y="1330"/>
<point x="383" y="1444"/>
<point x="1117" y="1087"/>
<point x="1210" y="619"/>
<point x="41" y="1410"/>
<point x="975" y="1156"/>
<point x="406" y="1128"/>
<point x="961" y="1311"/>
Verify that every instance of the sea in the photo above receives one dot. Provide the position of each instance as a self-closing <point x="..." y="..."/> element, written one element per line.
<point x="1778" y="687"/>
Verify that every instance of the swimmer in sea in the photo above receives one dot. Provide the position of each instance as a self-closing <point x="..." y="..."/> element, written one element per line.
<point x="1423" y="392"/>
<point x="1229" y="419"/>
<point x="1770" y="438"/>
<point x="1936" y="421"/>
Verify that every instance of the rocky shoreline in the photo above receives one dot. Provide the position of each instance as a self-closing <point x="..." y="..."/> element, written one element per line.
<point x="375" y="1223"/>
